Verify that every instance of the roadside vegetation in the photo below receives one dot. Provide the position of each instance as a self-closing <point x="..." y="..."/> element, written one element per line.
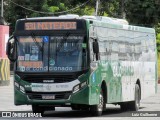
<point x="140" y="12"/>
<point x="158" y="68"/>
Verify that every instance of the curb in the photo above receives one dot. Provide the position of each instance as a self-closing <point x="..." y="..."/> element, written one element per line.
<point x="4" y="82"/>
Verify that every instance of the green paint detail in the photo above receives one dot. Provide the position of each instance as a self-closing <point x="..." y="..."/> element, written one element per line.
<point x="84" y="45"/>
<point x="20" y="98"/>
<point x="51" y="62"/>
<point x="111" y="72"/>
<point x="17" y="78"/>
<point x="108" y="25"/>
<point x="94" y="82"/>
<point x="81" y="97"/>
<point x="149" y="30"/>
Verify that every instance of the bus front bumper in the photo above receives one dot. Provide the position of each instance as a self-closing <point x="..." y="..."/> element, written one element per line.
<point x="79" y="97"/>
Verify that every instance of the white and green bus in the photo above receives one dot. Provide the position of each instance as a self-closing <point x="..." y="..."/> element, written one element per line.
<point x="82" y="62"/>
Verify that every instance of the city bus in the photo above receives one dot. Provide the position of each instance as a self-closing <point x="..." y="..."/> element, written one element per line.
<point x="82" y="62"/>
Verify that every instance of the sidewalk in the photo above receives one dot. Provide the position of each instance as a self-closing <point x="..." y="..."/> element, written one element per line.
<point x="7" y="99"/>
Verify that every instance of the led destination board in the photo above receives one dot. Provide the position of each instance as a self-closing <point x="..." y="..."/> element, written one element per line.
<point x="50" y="26"/>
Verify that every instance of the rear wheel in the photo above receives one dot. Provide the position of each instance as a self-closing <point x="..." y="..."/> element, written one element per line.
<point x="124" y="106"/>
<point x="134" y="105"/>
<point x="97" y="110"/>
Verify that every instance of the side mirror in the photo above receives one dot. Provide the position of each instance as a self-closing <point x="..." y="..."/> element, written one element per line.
<point x="96" y="49"/>
<point x="11" y="49"/>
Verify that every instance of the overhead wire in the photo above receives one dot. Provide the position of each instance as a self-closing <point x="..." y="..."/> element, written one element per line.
<point x="50" y="13"/>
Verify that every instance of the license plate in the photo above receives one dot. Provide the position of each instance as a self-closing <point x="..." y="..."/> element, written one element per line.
<point x="48" y="97"/>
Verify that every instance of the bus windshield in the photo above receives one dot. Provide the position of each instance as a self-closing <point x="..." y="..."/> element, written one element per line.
<point x="63" y="53"/>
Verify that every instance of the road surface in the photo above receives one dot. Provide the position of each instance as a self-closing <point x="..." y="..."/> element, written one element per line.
<point x="151" y="103"/>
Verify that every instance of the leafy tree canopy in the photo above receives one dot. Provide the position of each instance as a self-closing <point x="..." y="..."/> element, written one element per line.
<point x="137" y="12"/>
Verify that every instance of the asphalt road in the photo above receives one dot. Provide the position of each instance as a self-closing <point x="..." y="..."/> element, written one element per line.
<point x="151" y="104"/>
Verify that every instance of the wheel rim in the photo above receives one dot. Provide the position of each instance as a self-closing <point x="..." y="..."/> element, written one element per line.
<point x="100" y="105"/>
<point x="137" y="100"/>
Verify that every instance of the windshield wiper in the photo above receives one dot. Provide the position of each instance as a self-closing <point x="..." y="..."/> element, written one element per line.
<point x="37" y="44"/>
<point x="35" y="41"/>
<point x="64" y="40"/>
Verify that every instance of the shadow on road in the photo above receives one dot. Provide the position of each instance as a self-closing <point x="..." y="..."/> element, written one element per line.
<point x="110" y="112"/>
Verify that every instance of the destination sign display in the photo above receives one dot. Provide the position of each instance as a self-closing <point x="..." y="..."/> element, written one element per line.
<point x="50" y="26"/>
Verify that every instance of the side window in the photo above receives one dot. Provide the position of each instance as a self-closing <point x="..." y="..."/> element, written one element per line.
<point x="113" y="44"/>
<point x="137" y="50"/>
<point x="148" y="45"/>
<point x="114" y="49"/>
<point x="102" y="50"/>
<point x="92" y="34"/>
<point x="123" y="45"/>
<point x="121" y="53"/>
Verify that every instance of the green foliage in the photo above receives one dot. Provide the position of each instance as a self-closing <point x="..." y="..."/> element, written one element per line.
<point x="158" y="37"/>
<point x="53" y="9"/>
<point x="139" y="12"/>
<point x="142" y="12"/>
<point x="110" y="8"/>
<point x="159" y="68"/>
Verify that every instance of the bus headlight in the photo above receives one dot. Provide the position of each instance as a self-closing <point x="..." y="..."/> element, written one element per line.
<point x="83" y="84"/>
<point x="22" y="89"/>
<point x="76" y="88"/>
<point x="16" y="84"/>
<point x="79" y="86"/>
<point x="19" y="87"/>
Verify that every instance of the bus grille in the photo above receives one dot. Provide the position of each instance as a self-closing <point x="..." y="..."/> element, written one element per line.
<point x="55" y="79"/>
<point x="58" y="96"/>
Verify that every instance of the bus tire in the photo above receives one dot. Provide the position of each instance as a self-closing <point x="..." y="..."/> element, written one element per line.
<point x="134" y="105"/>
<point x="97" y="110"/>
<point x="124" y="106"/>
<point x="75" y="107"/>
<point x="38" y="109"/>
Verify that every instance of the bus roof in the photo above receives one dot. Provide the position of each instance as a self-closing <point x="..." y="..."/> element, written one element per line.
<point x="122" y="26"/>
<point x="99" y="21"/>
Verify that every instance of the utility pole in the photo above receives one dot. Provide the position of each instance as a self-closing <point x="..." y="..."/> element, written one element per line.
<point x="122" y="12"/>
<point x="1" y="8"/>
<point x="97" y="7"/>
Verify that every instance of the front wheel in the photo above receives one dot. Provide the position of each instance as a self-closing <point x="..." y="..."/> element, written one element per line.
<point x="75" y="107"/>
<point x="97" y="110"/>
<point x="38" y="109"/>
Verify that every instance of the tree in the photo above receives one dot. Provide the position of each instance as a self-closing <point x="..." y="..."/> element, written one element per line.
<point x="14" y="12"/>
<point x="145" y="13"/>
<point x="158" y="38"/>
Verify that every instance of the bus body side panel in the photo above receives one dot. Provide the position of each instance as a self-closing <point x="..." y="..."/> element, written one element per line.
<point x="129" y="53"/>
<point x="149" y="70"/>
<point x="94" y="85"/>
